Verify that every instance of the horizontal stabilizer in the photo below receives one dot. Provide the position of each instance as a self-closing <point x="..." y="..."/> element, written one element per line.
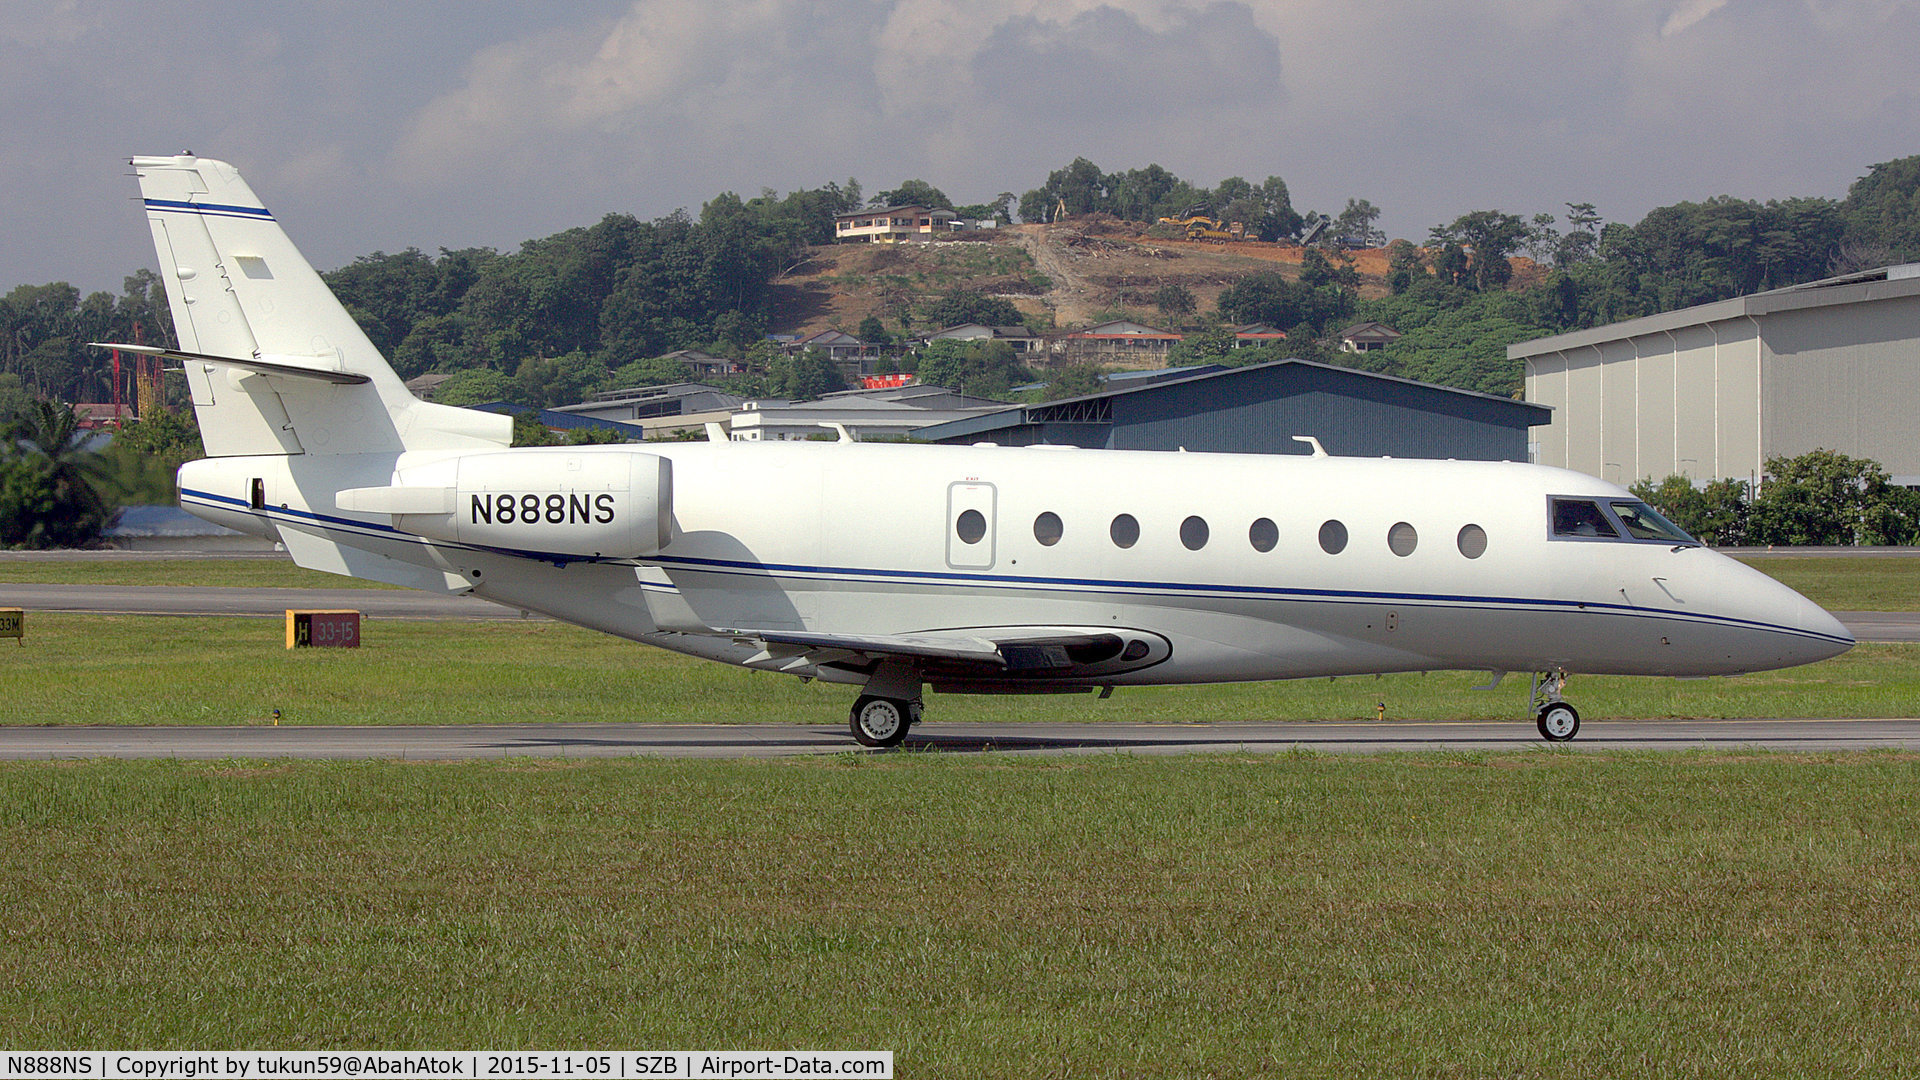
<point x="290" y="367"/>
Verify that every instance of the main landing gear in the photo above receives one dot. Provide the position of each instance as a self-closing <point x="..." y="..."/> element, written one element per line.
<point x="1557" y="720"/>
<point x="882" y="722"/>
<point x="890" y="706"/>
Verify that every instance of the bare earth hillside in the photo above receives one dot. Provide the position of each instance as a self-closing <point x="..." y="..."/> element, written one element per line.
<point x="1071" y="274"/>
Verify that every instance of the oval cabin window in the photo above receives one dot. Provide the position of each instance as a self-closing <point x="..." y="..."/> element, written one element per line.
<point x="1333" y="538"/>
<point x="1473" y="541"/>
<point x="1263" y="535"/>
<point x="970" y="526"/>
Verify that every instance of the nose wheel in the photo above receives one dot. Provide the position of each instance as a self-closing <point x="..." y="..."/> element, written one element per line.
<point x="1557" y="720"/>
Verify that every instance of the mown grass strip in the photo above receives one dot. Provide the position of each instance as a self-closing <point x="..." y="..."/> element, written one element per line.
<point x="114" y="669"/>
<point x="1849" y="583"/>
<point x="274" y="573"/>
<point x="1537" y="914"/>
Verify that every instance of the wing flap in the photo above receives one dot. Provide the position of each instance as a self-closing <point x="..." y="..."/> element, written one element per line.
<point x="1032" y="650"/>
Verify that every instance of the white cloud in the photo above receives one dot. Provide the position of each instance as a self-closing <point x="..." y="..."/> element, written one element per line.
<point x="1687" y="14"/>
<point x="458" y="122"/>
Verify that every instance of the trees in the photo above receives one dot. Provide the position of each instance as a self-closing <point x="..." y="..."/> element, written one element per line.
<point x="1354" y="224"/>
<point x="981" y="368"/>
<point x="1824" y="497"/>
<point x="1882" y="209"/>
<point x="47" y="495"/>
<point x="1174" y="300"/>
<point x="913" y="193"/>
<point x="1818" y="498"/>
<point x="1313" y="303"/>
<point x="806" y="376"/>
<point x="1474" y="249"/>
<point x="972" y="306"/>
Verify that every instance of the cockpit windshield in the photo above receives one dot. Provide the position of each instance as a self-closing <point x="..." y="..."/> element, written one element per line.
<point x="1643" y="522"/>
<point x="1581" y="517"/>
<point x="1613" y="519"/>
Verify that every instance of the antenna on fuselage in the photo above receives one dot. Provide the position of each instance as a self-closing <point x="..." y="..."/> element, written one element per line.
<point x="1318" y="450"/>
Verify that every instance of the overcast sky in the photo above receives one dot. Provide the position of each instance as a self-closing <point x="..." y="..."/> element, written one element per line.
<point x="452" y="123"/>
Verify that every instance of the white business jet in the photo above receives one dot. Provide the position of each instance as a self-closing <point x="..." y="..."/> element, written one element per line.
<point x="899" y="568"/>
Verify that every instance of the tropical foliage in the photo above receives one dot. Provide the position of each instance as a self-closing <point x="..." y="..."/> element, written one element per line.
<point x="1818" y="498"/>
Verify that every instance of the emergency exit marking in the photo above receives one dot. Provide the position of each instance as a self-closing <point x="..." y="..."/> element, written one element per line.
<point x="323" y="629"/>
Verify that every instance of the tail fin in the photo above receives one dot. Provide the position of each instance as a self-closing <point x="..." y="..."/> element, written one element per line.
<point x="276" y="364"/>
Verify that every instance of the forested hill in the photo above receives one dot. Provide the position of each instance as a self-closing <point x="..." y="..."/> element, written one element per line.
<point x="596" y="305"/>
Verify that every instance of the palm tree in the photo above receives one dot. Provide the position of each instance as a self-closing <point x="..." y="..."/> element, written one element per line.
<point x="52" y="430"/>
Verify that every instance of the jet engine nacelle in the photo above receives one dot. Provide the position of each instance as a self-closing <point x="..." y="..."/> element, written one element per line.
<point x="605" y="504"/>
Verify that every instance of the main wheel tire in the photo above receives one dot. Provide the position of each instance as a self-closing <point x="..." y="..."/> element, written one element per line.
<point x="878" y="721"/>
<point x="1558" y="722"/>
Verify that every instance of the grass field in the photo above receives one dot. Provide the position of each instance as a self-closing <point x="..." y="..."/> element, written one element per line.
<point x="1545" y="914"/>
<point x="203" y="573"/>
<point x="129" y="669"/>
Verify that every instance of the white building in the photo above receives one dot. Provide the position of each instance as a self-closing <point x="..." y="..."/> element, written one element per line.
<point x="1712" y="391"/>
<point x="890" y="411"/>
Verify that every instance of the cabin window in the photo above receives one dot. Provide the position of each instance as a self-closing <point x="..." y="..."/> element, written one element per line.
<point x="1125" y="531"/>
<point x="1472" y="541"/>
<point x="1402" y="539"/>
<point x="1333" y="538"/>
<point x="1581" y="518"/>
<point x="970" y="526"/>
<point x="1047" y="529"/>
<point x="1643" y="522"/>
<point x="1263" y="535"/>
<point x="1193" y="533"/>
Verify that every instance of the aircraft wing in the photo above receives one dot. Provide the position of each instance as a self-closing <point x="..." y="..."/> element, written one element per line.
<point x="984" y="651"/>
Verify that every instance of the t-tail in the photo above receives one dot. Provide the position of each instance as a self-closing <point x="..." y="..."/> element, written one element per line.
<point x="275" y="364"/>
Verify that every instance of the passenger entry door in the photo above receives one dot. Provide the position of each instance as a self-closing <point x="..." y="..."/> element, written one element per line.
<point x="970" y="526"/>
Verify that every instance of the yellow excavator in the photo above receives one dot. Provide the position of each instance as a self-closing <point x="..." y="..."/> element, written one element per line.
<point x="1201" y="227"/>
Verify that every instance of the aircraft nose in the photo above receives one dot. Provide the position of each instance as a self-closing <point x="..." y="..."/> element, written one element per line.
<point x="1819" y="635"/>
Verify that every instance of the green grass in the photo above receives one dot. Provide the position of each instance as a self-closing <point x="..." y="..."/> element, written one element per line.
<point x="1849" y="583"/>
<point x="129" y="669"/>
<point x="1540" y="914"/>
<point x="275" y="573"/>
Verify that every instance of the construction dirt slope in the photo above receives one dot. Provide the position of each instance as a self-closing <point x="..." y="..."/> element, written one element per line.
<point x="1069" y="274"/>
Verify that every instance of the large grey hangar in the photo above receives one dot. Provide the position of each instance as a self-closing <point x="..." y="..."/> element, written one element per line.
<point x="1259" y="409"/>
<point x="1711" y="392"/>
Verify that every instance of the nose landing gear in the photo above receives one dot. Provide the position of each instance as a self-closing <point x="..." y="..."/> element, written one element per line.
<point x="1557" y="720"/>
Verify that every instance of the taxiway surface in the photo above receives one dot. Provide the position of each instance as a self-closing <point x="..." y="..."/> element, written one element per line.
<point x="473" y="742"/>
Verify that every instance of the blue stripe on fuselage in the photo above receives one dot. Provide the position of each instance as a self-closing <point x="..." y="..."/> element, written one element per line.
<point x="1031" y="584"/>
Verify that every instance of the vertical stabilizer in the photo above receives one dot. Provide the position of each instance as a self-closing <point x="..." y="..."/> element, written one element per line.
<point x="239" y="289"/>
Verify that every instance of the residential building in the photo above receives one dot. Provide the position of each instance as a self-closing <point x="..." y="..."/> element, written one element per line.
<point x="1024" y="341"/>
<point x="1122" y="343"/>
<point x="1367" y="337"/>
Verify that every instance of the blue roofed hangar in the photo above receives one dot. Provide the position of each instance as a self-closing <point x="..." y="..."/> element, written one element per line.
<point x="1258" y="409"/>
